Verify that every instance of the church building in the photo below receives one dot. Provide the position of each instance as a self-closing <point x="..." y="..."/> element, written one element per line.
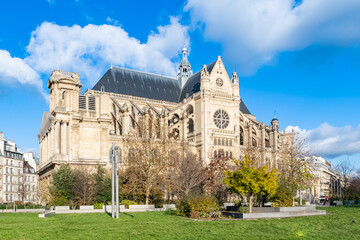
<point x="202" y="109"/>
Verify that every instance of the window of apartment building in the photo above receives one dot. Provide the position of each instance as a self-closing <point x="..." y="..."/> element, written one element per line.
<point x="11" y="188"/>
<point x="6" y="187"/>
<point x="7" y="170"/>
<point x="7" y="197"/>
<point x="33" y="188"/>
<point x="19" y="171"/>
<point x="11" y="179"/>
<point x="11" y="171"/>
<point x="33" y="179"/>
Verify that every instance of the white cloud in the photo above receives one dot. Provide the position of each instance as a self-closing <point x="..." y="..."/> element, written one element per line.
<point x="330" y="141"/>
<point x="252" y="32"/>
<point x="91" y="49"/>
<point x="15" y="69"/>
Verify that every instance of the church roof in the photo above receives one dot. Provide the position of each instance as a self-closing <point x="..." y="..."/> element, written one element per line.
<point x="139" y="84"/>
<point x="192" y="85"/>
<point x="243" y="108"/>
<point x="148" y="85"/>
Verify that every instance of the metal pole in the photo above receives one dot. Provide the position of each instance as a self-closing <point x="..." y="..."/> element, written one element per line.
<point x="112" y="180"/>
<point x="300" y="197"/>
<point x="117" y="184"/>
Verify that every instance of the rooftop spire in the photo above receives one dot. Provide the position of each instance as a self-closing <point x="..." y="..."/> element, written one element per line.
<point x="184" y="68"/>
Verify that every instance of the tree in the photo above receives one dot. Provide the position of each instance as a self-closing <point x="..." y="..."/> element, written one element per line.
<point x="102" y="185"/>
<point x="83" y="186"/>
<point x="345" y="168"/>
<point x="250" y="180"/>
<point x="150" y="155"/>
<point x="62" y="187"/>
<point x="214" y="175"/>
<point x="189" y="173"/>
<point x="294" y="173"/>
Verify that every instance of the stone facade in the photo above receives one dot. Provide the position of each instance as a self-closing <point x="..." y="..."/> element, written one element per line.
<point x="207" y="114"/>
<point x="327" y="180"/>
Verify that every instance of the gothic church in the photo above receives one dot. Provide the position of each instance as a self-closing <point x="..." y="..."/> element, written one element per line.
<point x="203" y="109"/>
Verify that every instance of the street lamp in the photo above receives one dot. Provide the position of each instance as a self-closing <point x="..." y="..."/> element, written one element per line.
<point x="115" y="158"/>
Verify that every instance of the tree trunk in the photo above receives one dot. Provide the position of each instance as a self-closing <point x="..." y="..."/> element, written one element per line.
<point x="147" y="194"/>
<point x="250" y="203"/>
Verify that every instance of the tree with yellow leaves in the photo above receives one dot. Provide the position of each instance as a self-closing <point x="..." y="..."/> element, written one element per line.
<point x="249" y="180"/>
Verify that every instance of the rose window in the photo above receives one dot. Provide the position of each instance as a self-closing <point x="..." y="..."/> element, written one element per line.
<point x="221" y="119"/>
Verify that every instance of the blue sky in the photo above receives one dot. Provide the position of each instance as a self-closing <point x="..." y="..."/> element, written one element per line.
<point x="300" y="58"/>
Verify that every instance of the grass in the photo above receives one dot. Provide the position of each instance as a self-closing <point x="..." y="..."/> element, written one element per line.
<point x="157" y="225"/>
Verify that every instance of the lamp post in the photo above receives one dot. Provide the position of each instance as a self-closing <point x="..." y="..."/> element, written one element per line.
<point x="114" y="159"/>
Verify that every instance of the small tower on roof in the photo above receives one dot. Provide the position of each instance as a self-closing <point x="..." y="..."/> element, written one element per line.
<point x="184" y="71"/>
<point x="275" y="122"/>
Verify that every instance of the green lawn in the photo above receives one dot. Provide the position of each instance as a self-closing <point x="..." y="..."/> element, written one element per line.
<point x="157" y="225"/>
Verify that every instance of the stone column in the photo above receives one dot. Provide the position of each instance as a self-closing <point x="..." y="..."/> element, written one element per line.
<point x="166" y="126"/>
<point x="185" y="129"/>
<point x="57" y="138"/>
<point x="249" y="128"/>
<point x="46" y="146"/>
<point x="275" y="141"/>
<point x="262" y="136"/>
<point x="63" y="137"/>
<point x="126" y="123"/>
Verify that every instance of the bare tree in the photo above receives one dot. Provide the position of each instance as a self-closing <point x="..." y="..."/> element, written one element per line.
<point x="151" y="155"/>
<point x="294" y="173"/>
<point x="83" y="185"/>
<point x="214" y="175"/>
<point x="345" y="168"/>
<point x="189" y="173"/>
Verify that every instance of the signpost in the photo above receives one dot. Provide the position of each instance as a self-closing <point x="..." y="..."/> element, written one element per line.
<point x="115" y="158"/>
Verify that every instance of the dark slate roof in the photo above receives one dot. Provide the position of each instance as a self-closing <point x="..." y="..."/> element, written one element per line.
<point x="243" y="108"/>
<point x="192" y="85"/>
<point x="153" y="86"/>
<point x="139" y="84"/>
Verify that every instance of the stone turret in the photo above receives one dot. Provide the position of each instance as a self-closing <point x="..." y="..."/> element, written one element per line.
<point x="184" y="68"/>
<point x="65" y="89"/>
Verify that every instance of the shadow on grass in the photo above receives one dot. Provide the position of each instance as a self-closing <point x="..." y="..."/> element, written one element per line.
<point x="110" y="214"/>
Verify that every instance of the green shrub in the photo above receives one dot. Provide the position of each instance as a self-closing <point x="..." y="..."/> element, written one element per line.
<point x="203" y="206"/>
<point x="183" y="208"/>
<point x="98" y="205"/>
<point x="157" y="197"/>
<point x="170" y="211"/>
<point x="2" y="206"/>
<point x="20" y="206"/>
<point x="198" y="207"/>
<point x="243" y="209"/>
<point x="127" y="203"/>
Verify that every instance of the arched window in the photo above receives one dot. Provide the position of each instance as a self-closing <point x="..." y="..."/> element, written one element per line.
<point x="63" y="95"/>
<point x="175" y="118"/>
<point x="230" y="155"/>
<point x="226" y="142"/>
<point x="102" y="89"/>
<point x="223" y="142"/>
<point x="191" y="125"/>
<point x="254" y="143"/>
<point x="241" y="136"/>
<point x="190" y="109"/>
<point x="215" y="154"/>
<point x="267" y="143"/>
